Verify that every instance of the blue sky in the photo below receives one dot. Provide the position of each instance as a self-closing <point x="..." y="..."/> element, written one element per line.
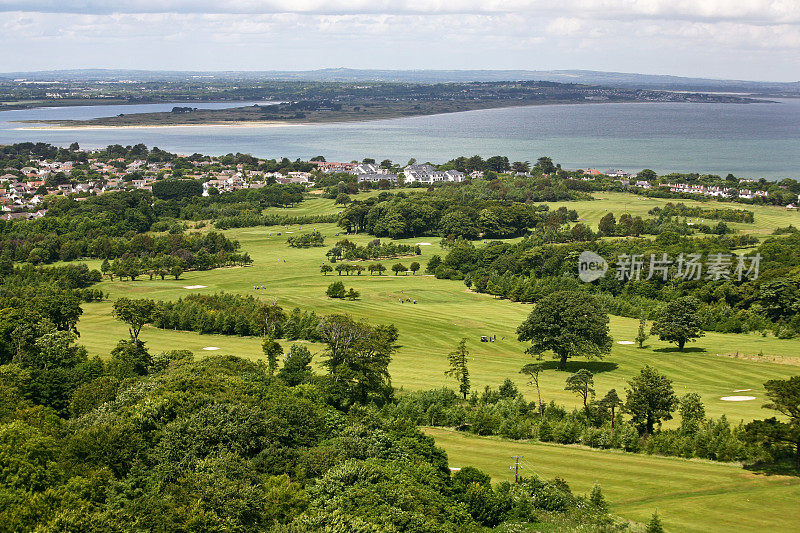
<point x="739" y="39"/>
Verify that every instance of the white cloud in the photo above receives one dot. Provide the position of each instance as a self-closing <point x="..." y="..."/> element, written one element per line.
<point x="744" y="35"/>
<point x="755" y="11"/>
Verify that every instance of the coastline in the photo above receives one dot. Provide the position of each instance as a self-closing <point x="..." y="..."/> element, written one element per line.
<point x="236" y="124"/>
<point x="43" y="125"/>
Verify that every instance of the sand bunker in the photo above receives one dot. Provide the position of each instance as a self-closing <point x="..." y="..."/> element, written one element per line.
<point x="625" y="342"/>
<point x="423" y="244"/>
<point x="742" y="390"/>
<point x="737" y="398"/>
<point x="194" y="286"/>
<point x="210" y="348"/>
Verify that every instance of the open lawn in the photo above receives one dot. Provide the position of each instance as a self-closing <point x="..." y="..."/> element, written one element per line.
<point x="445" y="312"/>
<point x="767" y="218"/>
<point x="689" y="495"/>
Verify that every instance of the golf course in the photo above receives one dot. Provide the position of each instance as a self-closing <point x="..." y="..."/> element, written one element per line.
<point x="691" y="495"/>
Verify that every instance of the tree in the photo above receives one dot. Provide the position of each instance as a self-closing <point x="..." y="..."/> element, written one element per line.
<point x="352" y="294"/>
<point x="581" y="383"/>
<point x="611" y="401"/>
<point x="271" y="316"/>
<point x="105" y="268"/>
<point x="784" y="397"/>
<point x="458" y="367"/>
<point x="608" y="224"/>
<point x="342" y="199"/>
<point x="135" y="313"/>
<point x="398" y="267"/>
<point x="357" y="358"/>
<point x="129" y="358"/>
<point x="335" y="290"/>
<point x="272" y="350"/>
<point x="433" y="264"/>
<point x="569" y="324"/>
<point x="533" y="370"/>
<point x="654" y="525"/>
<point x="380" y="268"/>
<point x="176" y="189"/>
<point x="647" y="175"/>
<point x="545" y="165"/>
<point x="296" y="367"/>
<point x="176" y="271"/>
<point x="325" y="269"/>
<point x="693" y="413"/>
<point x="650" y="399"/>
<point x="596" y="497"/>
<point x="678" y="321"/>
<point x="413" y="267"/>
<point x="642" y="335"/>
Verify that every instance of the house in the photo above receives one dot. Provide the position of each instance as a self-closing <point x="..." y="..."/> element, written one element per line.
<point x="329" y="167"/>
<point x="374" y="178"/>
<point x="427" y="174"/>
<point x="300" y="177"/>
<point x="368" y="168"/>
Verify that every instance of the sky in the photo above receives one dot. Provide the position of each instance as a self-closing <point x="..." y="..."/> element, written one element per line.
<point x="732" y="39"/>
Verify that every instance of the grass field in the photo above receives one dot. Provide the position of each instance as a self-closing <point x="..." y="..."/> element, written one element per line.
<point x="767" y="218"/>
<point x="689" y="495"/>
<point x="445" y="312"/>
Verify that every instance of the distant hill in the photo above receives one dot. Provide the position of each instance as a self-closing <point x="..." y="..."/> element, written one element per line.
<point x="591" y="77"/>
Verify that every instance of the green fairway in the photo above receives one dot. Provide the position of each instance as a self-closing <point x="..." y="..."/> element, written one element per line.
<point x="767" y="218"/>
<point x="689" y="495"/>
<point x="445" y="312"/>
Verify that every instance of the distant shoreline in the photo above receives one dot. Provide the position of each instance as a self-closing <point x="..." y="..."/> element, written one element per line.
<point x="240" y="124"/>
<point x="207" y="118"/>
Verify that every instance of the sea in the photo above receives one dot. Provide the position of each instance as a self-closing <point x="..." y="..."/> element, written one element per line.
<point x="748" y="140"/>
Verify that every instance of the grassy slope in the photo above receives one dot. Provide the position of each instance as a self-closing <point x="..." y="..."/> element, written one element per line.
<point x="689" y="495"/>
<point x="445" y="312"/>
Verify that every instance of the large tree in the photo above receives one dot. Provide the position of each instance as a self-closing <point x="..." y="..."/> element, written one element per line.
<point x="357" y="358"/>
<point x="458" y="367"/>
<point x="784" y="397"/>
<point x="135" y="313"/>
<point x="569" y="324"/>
<point x="650" y="399"/>
<point x="678" y="321"/>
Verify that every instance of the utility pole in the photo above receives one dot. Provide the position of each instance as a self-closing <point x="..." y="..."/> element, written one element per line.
<point x="515" y="467"/>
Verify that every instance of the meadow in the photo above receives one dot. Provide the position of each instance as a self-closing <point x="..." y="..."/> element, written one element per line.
<point x="446" y="311"/>
<point x="689" y="495"/>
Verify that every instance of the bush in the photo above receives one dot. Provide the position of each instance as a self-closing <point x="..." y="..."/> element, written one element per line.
<point x="336" y="290"/>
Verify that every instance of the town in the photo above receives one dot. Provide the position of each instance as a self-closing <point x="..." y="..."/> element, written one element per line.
<point x="85" y="173"/>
